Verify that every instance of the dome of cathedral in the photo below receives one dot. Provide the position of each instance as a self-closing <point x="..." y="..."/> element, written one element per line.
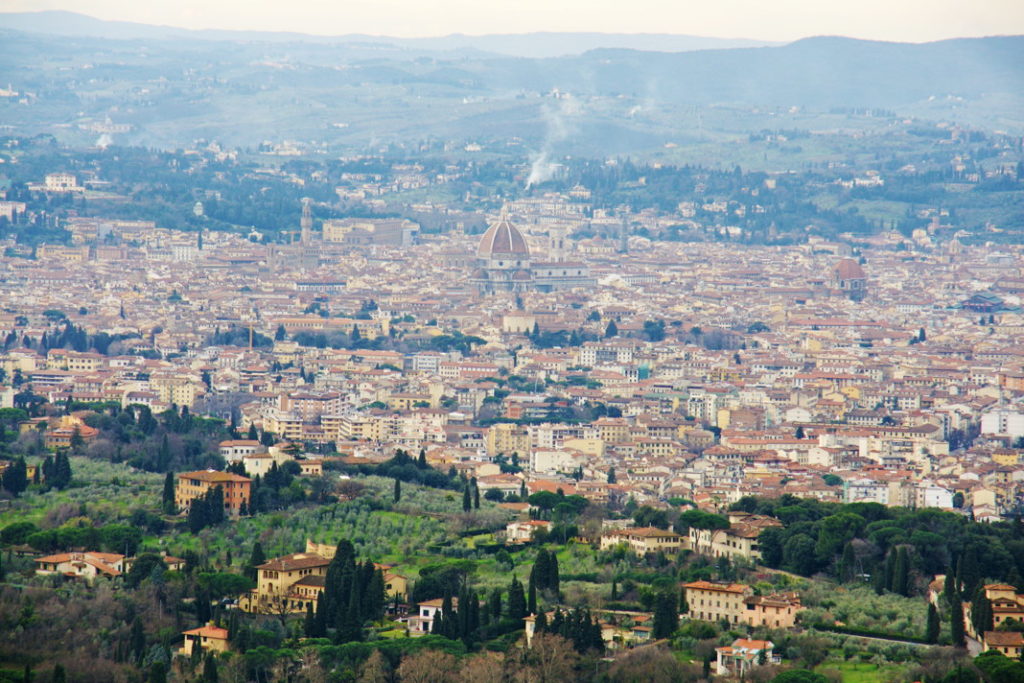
<point x="503" y="239"/>
<point x="848" y="269"/>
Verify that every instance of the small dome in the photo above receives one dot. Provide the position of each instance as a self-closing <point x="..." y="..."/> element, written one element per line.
<point x="479" y="274"/>
<point x="848" y="269"/>
<point x="520" y="276"/>
<point x="503" y="239"/>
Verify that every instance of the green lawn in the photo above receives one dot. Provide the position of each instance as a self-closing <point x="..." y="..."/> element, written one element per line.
<point x="863" y="672"/>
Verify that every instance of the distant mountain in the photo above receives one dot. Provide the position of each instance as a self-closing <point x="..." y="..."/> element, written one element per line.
<point x="174" y="86"/>
<point x="531" y="45"/>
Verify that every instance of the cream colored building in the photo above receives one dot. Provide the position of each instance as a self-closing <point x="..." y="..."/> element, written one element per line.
<point x="644" y="540"/>
<point x="717" y="601"/>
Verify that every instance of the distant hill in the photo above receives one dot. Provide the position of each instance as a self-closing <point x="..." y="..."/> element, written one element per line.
<point x="172" y="86"/>
<point x="531" y="45"/>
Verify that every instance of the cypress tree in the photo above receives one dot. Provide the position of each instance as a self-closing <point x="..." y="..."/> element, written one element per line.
<point x="541" y="623"/>
<point x="210" y="669"/>
<point x="320" y="622"/>
<point x="137" y="640"/>
<point x="932" y="629"/>
<point x="890" y="569"/>
<point x="949" y="587"/>
<point x="309" y="625"/>
<point x="956" y="623"/>
<point x="15" y="477"/>
<point x="531" y="593"/>
<point x="846" y="564"/>
<point x="970" y="574"/>
<point x="494" y="604"/>
<point x="168" y="497"/>
<point x="398" y="490"/>
<point x="466" y="502"/>
<point x="61" y="471"/>
<point x="901" y="572"/>
<point x="256" y="558"/>
<point x="981" y="612"/>
<point x="516" y="600"/>
<point x="476" y="494"/>
<point x="421" y="462"/>
<point x="666" y="615"/>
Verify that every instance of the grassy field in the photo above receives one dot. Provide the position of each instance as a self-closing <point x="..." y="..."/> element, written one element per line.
<point x="865" y="672"/>
<point x="102" y="491"/>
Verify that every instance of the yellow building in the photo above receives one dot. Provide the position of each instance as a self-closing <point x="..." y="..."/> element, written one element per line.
<point x="717" y="601"/>
<point x="209" y="638"/>
<point x="507" y="438"/>
<point x="192" y="485"/>
<point x="643" y="540"/>
<point x="287" y="584"/>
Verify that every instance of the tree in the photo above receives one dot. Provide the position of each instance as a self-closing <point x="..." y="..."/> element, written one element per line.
<point x="61" y="471"/>
<point x="280" y="334"/>
<point x="398" y="490"/>
<point x="168" y="496"/>
<point x="467" y="503"/>
<point x="551" y="658"/>
<point x="611" y="330"/>
<point x="428" y="666"/>
<point x="933" y="627"/>
<point x="15" y="477"/>
<point x="666" y="614"/>
<point x="256" y="558"/>
<point x="375" y="669"/>
<point x="516" y="600"/>
<point x="210" y="669"/>
<point x="611" y="475"/>
<point x="956" y="623"/>
<point x="981" y="611"/>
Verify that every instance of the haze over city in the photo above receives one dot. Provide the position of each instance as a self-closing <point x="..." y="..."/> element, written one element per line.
<point x="785" y="20"/>
<point x="392" y="342"/>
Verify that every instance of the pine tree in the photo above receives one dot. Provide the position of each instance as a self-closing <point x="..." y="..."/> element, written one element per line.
<point x="932" y="630"/>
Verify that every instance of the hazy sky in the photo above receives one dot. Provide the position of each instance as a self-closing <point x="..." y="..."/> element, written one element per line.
<point x="904" y="20"/>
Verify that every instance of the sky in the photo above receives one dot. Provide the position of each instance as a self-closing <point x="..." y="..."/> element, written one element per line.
<point x="772" y="20"/>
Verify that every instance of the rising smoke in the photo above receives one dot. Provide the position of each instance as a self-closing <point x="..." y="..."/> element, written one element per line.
<point x="557" y="127"/>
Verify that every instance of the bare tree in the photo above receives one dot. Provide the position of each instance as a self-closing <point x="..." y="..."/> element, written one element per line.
<point x="428" y="666"/>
